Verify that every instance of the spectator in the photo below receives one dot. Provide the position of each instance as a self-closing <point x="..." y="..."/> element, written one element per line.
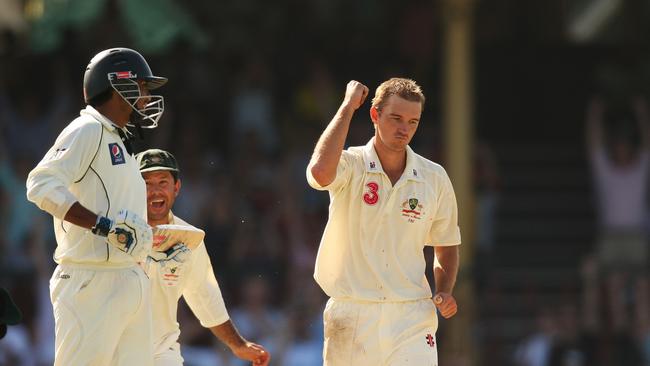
<point x="620" y="171"/>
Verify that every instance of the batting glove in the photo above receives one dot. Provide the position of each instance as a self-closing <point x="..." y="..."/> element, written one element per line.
<point x="177" y="254"/>
<point x="128" y="233"/>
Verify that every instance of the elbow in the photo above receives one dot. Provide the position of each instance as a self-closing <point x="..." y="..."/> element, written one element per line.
<point x="321" y="176"/>
<point x="32" y="191"/>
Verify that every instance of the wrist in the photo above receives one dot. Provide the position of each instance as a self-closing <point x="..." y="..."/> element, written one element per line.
<point x="237" y="343"/>
<point x="347" y="109"/>
<point x="102" y="226"/>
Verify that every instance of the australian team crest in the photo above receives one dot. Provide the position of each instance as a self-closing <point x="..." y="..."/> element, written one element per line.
<point x="412" y="209"/>
<point x="117" y="156"/>
<point x="171" y="275"/>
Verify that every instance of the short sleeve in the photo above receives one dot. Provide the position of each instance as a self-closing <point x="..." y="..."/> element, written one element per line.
<point x="444" y="229"/>
<point x="66" y="162"/>
<point x="343" y="174"/>
<point x="202" y="292"/>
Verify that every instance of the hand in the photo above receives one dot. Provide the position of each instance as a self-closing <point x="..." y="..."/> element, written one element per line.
<point x="355" y="94"/>
<point x="252" y="352"/>
<point x="128" y="233"/>
<point x="179" y="253"/>
<point x="446" y="304"/>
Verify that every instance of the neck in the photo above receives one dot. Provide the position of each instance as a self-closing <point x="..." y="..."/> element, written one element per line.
<point x="157" y="222"/>
<point x="114" y="114"/>
<point x="160" y="221"/>
<point x="392" y="161"/>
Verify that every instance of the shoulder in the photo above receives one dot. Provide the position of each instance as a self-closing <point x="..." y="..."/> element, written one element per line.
<point x="83" y="125"/>
<point x="430" y="169"/>
<point x="353" y="154"/>
<point x="179" y="221"/>
<point x="355" y="150"/>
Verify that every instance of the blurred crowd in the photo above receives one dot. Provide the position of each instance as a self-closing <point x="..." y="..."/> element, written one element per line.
<point x="243" y="111"/>
<point x="242" y="119"/>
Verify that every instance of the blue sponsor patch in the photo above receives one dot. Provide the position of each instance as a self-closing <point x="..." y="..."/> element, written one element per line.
<point x="117" y="156"/>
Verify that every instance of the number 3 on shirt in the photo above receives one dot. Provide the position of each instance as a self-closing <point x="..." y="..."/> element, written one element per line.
<point x="371" y="197"/>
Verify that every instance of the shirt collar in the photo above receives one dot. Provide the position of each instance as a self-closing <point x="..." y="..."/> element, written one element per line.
<point x="94" y="113"/>
<point x="412" y="170"/>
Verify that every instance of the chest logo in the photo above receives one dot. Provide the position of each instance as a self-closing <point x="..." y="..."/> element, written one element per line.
<point x="117" y="156"/>
<point x="371" y="197"/>
<point x="171" y="275"/>
<point x="412" y="209"/>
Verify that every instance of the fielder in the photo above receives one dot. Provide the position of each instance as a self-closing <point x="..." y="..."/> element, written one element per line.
<point x="387" y="203"/>
<point x="89" y="182"/>
<point x="179" y="272"/>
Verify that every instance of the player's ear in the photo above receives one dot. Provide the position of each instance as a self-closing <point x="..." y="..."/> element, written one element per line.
<point x="374" y="114"/>
<point x="177" y="187"/>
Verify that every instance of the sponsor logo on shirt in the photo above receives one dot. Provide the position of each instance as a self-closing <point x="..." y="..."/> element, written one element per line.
<point x="117" y="156"/>
<point x="412" y="209"/>
<point x="56" y="153"/>
<point x="430" y="340"/>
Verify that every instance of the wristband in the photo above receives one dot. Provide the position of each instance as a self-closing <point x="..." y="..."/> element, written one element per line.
<point x="102" y="226"/>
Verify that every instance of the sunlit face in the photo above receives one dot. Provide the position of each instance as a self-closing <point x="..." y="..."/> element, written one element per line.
<point x="396" y="122"/>
<point x="161" y="194"/>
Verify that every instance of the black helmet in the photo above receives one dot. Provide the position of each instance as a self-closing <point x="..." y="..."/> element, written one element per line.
<point x="120" y="69"/>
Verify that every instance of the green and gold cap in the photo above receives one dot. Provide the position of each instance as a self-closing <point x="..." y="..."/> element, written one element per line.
<point x="156" y="159"/>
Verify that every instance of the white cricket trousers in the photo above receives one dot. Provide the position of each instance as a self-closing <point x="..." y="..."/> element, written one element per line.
<point x="363" y="333"/>
<point x="102" y="316"/>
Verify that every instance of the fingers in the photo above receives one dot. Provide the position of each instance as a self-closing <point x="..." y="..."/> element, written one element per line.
<point x="446" y="304"/>
<point x="263" y="359"/>
<point x="255" y="353"/>
<point x="364" y="94"/>
<point x="355" y="94"/>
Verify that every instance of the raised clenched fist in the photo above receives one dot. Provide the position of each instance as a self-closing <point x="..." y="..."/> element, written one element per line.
<point x="355" y="94"/>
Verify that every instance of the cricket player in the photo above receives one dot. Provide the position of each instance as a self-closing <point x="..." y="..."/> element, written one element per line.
<point x="387" y="203"/>
<point x="90" y="183"/>
<point x="179" y="272"/>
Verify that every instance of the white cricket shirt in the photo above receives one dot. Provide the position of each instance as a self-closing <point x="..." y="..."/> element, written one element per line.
<point x="622" y="191"/>
<point x="195" y="281"/>
<point x="371" y="248"/>
<point x="88" y="163"/>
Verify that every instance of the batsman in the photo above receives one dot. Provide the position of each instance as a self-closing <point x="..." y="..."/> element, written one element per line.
<point x="182" y="269"/>
<point x="90" y="183"/>
<point x="387" y="204"/>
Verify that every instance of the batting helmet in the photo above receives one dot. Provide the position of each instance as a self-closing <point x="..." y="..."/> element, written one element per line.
<point x="120" y="69"/>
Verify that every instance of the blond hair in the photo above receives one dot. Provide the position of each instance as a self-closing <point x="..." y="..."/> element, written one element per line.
<point x="404" y="88"/>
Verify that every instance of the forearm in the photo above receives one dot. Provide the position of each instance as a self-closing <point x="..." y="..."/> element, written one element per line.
<point x="330" y="145"/>
<point x="445" y="268"/>
<point x="80" y="216"/>
<point x="228" y="334"/>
